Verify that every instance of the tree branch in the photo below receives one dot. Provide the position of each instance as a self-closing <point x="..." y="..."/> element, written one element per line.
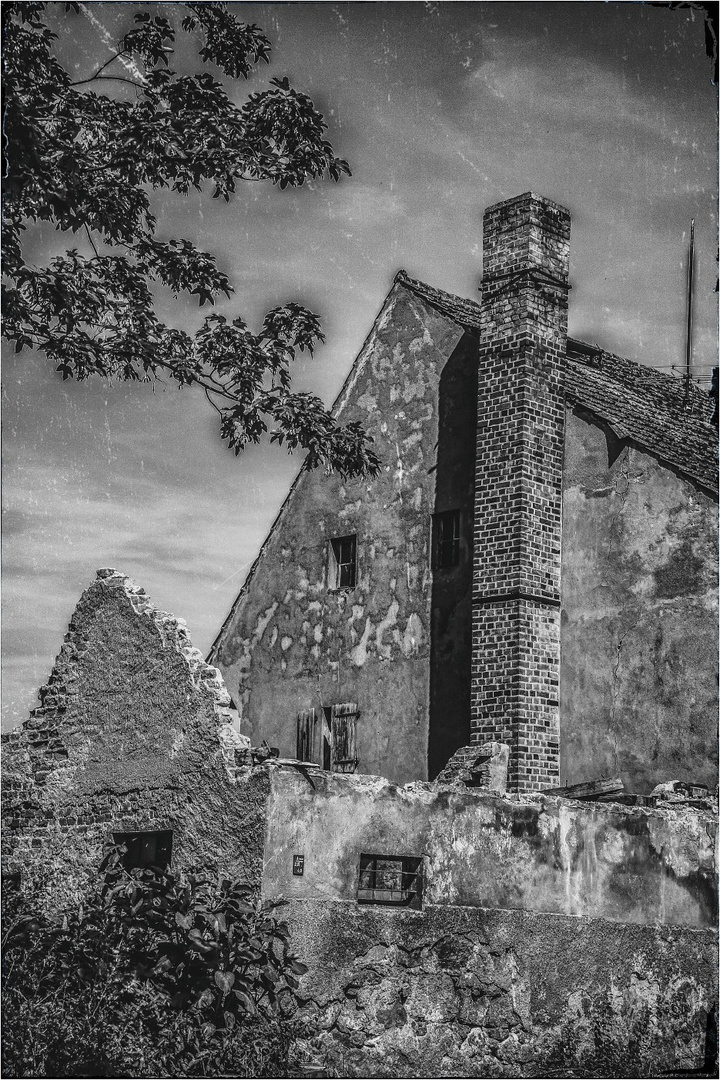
<point x="110" y="78"/>
<point x="211" y="402"/>
<point x="217" y="389"/>
<point x="123" y="52"/>
<point x="92" y="242"/>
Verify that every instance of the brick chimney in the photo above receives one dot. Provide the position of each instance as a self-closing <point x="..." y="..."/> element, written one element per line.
<point x="518" y="486"/>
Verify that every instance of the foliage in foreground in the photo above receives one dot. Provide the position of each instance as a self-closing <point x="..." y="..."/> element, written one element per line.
<point x="157" y="975"/>
<point x="86" y="154"/>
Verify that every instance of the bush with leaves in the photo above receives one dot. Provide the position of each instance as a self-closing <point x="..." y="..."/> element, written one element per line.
<point x="158" y="974"/>
<point x="88" y="162"/>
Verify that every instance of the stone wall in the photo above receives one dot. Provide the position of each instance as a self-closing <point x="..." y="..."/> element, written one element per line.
<point x="454" y="991"/>
<point x="133" y="733"/>
<point x="639" y="620"/>
<point x="293" y="642"/>
<point x="555" y="938"/>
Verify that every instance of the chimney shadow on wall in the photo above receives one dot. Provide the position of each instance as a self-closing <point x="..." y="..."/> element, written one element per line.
<point x="452" y="557"/>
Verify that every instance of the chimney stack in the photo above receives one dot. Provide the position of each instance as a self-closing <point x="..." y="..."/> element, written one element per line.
<point x="518" y="486"/>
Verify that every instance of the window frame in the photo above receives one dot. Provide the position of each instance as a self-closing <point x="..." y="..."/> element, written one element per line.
<point x="440" y="543"/>
<point x="339" y="566"/>
<point x="411" y="873"/>
<point x="133" y="859"/>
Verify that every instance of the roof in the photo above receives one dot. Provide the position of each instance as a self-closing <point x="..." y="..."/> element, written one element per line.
<point x="640" y="404"/>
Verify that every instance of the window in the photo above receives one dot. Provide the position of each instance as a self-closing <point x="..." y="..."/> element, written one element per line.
<point x="343" y="562"/>
<point x="327" y="737"/>
<point x="146" y="849"/>
<point x="390" y="879"/>
<point x="446" y="539"/>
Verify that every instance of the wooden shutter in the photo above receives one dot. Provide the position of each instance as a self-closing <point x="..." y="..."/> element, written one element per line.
<point x="306" y="735"/>
<point x="344" y="718"/>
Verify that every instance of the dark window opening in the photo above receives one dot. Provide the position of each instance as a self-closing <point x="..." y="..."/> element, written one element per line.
<point x="146" y="849"/>
<point x="343" y="569"/>
<point x="390" y="879"/>
<point x="446" y="539"/>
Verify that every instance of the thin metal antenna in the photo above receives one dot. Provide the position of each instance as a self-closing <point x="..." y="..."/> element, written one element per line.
<point x="688" y="340"/>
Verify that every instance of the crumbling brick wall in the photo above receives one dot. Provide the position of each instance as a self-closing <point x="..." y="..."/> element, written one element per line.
<point x="134" y="733"/>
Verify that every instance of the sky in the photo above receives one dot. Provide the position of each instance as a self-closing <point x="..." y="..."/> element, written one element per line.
<point x="442" y="109"/>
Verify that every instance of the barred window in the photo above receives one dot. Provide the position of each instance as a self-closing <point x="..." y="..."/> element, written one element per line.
<point x="446" y="539"/>
<point x="146" y="849"/>
<point x="343" y="562"/>
<point x="390" y="879"/>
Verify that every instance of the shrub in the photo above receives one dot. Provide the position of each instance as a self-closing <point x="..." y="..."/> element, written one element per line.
<point x="158" y="974"/>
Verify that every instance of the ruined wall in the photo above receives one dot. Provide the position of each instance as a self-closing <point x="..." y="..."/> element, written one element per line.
<point x="639" y="642"/>
<point x="531" y="853"/>
<point x="133" y="733"/>
<point x="292" y="643"/>
<point x="454" y="991"/>
<point x="553" y="936"/>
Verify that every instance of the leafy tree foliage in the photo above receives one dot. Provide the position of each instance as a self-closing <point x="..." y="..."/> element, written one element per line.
<point x="157" y="975"/>
<point x="88" y="161"/>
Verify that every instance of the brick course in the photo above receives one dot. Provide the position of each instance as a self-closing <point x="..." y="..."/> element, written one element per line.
<point x="518" y="486"/>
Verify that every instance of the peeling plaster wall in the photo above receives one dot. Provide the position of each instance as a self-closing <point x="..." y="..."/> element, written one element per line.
<point x="638" y="691"/>
<point x="533" y="852"/>
<point x="553" y="935"/>
<point x="291" y="643"/>
<point x="133" y="733"/>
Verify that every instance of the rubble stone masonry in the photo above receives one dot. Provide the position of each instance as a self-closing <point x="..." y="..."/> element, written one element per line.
<point x="518" y="486"/>
<point x="133" y="733"/>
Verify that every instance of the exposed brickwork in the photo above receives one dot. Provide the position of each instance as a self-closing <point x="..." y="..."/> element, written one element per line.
<point x="134" y="733"/>
<point x="518" y="503"/>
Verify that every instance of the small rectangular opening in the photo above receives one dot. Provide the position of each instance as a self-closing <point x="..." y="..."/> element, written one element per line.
<point x="446" y="539"/>
<point x="145" y="849"/>
<point x="390" y="879"/>
<point x="343" y="562"/>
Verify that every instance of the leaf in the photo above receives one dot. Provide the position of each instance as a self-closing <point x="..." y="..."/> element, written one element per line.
<point x="224" y="980"/>
<point x="246" y="1001"/>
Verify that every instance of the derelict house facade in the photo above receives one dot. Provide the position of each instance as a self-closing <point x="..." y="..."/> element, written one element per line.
<point x="532" y="572"/>
<point x="535" y="563"/>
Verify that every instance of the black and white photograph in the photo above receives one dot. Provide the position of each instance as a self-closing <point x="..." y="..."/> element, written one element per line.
<point x="359" y="539"/>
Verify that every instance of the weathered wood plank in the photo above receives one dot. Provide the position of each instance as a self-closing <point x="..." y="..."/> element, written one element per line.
<point x="589" y="789"/>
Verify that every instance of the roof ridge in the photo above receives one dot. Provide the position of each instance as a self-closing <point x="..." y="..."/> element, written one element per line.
<point x="450" y="303"/>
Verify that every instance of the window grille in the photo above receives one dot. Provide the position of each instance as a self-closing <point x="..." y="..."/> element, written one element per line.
<point x="390" y="879"/>
<point x="446" y="539"/>
<point x="343" y="562"/>
<point x="146" y="849"/>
